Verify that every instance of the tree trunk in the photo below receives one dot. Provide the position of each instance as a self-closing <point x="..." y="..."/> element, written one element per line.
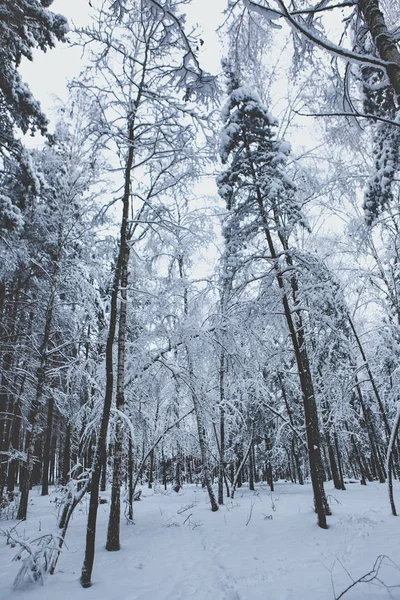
<point x="296" y="332"/>
<point x="251" y="470"/>
<point x="203" y="451"/>
<point x="221" y="466"/>
<point x="47" y="447"/>
<point x="384" y="40"/>
<point x="369" y="428"/>
<point x="101" y="450"/>
<point x="66" y="456"/>
<point x="130" y="478"/>
<point x="332" y="461"/>
<point x="240" y="467"/>
<point x="33" y="430"/>
<point x="389" y="458"/>
<point x="151" y="471"/>
<point x="372" y="380"/>
<point x="339" y="461"/>
<point x="202" y="440"/>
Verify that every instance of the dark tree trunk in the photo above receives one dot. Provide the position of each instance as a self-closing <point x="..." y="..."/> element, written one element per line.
<point x="332" y="461"/>
<point x="221" y="466"/>
<point x="130" y="479"/>
<point x="270" y="477"/>
<point x="372" y="380"/>
<point x="15" y="443"/>
<point x="103" y="478"/>
<point x="384" y="40"/>
<point x="178" y="470"/>
<point x="296" y="331"/>
<point x="101" y="450"/>
<point x="339" y="461"/>
<point x="6" y="403"/>
<point x="66" y="456"/>
<point x="113" y="532"/>
<point x="203" y="451"/>
<point x="251" y="470"/>
<point x="164" y="470"/>
<point x="151" y="472"/>
<point x="202" y="439"/>
<point x="389" y="460"/>
<point x="369" y="427"/>
<point x="32" y="432"/>
<point x="189" y="467"/>
<point x="47" y="447"/>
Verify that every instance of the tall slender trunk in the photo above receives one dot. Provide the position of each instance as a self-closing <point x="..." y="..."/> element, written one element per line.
<point x="309" y="404"/>
<point x="101" y="449"/>
<point x="66" y="455"/>
<point x="251" y="469"/>
<point x="33" y="418"/>
<point x="339" y="461"/>
<point x="241" y="465"/>
<point x="113" y="532"/>
<point x="178" y="469"/>
<point x="15" y="444"/>
<point x="11" y="326"/>
<point x="372" y="380"/>
<point x="296" y="332"/>
<point x="47" y="447"/>
<point x="370" y="432"/>
<point x="332" y="461"/>
<point x="203" y="451"/>
<point x="202" y="439"/>
<point x="130" y="478"/>
<point x="221" y="466"/>
<point x="295" y="447"/>
<point x="389" y="458"/>
<point x="6" y="402"/>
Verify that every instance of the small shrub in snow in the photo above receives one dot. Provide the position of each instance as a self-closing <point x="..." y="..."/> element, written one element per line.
<point x="37" y="556"/>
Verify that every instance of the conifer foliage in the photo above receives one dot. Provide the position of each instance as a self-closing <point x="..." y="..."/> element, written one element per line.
<point x="24" y="26"/>
<point x="262" y="202"/>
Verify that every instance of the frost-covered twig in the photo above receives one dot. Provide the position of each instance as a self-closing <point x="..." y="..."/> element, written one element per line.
<point x="372" y="575"/>
<point x="311" y="35"/>
<point x="250" y="513"/>
<point x="184" y="509"/>
<point x="71" y="502"/>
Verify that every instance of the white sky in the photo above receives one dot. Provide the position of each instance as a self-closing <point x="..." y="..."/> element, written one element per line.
<point x="48" y="74"/>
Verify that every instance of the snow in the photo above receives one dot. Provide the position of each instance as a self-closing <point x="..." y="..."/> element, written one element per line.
<point x="260" y="546"/>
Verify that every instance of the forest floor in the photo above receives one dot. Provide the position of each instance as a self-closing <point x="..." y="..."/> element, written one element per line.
<point x="260" y="546"/>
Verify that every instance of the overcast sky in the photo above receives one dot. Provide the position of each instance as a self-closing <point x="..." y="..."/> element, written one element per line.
<point x="49" y="72"/>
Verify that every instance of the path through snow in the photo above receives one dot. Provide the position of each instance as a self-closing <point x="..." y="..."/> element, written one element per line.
<point x="179" y="550"/>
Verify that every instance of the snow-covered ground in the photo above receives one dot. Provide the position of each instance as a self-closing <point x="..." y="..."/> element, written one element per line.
<point x="260" y="546"/>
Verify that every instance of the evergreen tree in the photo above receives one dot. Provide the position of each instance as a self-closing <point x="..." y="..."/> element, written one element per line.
<point x="24" y="26"/>
<point x="262" y="204"/>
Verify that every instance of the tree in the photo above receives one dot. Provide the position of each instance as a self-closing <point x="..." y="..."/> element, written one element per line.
<point x="261" y="200"/>
<point x="25" y="25"/>
<point x="143" y="122"/>
<point x="52" y="243"/>
<point x="373" y="63"/>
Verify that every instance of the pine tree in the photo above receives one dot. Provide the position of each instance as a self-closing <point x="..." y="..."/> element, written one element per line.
<point x="261" y="201"/>
<point x="24" y="26"/>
